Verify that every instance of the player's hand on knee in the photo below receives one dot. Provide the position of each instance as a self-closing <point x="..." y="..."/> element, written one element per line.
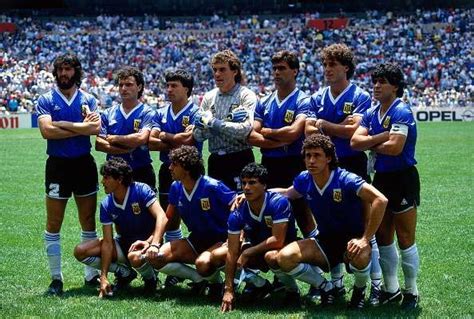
<point x="139" y="245"/>
<point x="356" y="246"/>
<point x="152" y="252"/>
<point x="227" y="301"/>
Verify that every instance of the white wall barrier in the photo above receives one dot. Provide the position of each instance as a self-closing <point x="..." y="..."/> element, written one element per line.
<point x="17" y="120"/>
<point x="439" y="114"/>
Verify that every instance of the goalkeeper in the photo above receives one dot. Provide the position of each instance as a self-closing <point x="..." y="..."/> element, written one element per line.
<point x="226" y="119"/>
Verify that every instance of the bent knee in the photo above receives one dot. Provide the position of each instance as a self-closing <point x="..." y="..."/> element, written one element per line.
<point x="286" y="259"/>
<point x="80" y="252"/>
<point x="135" y="259"/>
<point x="271" y="259"/>
<point x="203" y="266"/>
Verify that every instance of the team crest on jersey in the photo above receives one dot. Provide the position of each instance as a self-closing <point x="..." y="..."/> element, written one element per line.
<point x="136" y="208"/>
<point x="205" y="204"/>
<point x="386" y="122"/>
<point x="185" y="121"/>
<point x="136" y="125"/>
<point x="289" y="116"/>
<point x="337" y="195"/>
<point x="85" y="110"/>
<point x="347" y="108"/>
<point x="268" y="221"/>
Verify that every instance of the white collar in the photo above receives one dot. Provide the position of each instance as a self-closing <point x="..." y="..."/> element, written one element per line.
<point x="127" y="115"/>
<point x="321" y="191"/>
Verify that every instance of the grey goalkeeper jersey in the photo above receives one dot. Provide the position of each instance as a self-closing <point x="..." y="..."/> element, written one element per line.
<point x="232" y="137"/>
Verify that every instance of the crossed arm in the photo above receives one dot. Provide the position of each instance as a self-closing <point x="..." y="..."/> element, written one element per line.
<point x="53" y="130"/>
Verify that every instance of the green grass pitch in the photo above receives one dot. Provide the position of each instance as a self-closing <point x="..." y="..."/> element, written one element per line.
<point x="445" y="153"/>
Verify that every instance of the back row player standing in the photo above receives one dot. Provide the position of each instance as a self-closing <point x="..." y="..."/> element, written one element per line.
<point x="336" y="111"/>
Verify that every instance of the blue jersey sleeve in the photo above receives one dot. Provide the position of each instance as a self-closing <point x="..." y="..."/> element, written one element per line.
<point x="259" y="111"/>
<point x="147" y="121"/>
<point x="362" y="103"/>
<point x="92" y="102"/>
<point x="235" y="223"/>
<point x="104" y="216"/>
<point x="173" y="196"/>
<point x="282" y="209"/>
<point x="104" y="123"/>
<point x="352" y="182"/>
<point x="43" y="106"/>
<point x="366" y="119"/>
<point x="313" y="105"/>
<point x="147" y="195"/>
<point x="225" y="195"/>
<point x="403" y="116"/>
<point x="156" y="121"/>
<point x="300" y="183"/>
<point x="302" y="107"/>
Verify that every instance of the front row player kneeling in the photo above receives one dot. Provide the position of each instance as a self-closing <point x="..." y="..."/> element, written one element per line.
<point x="203" y="204"/>
<point x="336" y="199"/>
<point x="133" y="208"/>
<point x="268" y="224"/>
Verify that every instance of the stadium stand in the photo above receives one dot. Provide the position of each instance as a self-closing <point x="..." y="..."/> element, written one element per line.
<point x="431" y="46"/>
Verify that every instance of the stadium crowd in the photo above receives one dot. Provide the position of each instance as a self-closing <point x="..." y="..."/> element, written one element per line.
<point x="432" y="48"/>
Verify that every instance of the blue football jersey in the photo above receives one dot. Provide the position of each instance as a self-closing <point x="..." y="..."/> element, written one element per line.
<point x="273" y="113"/>
<point x="166" y="121"/>
<point x="352" y="101"/>
<point x="276" y="209"/>
<point x="206" y="209"/>
<point x="116" y="122"/>
<point x="57" y="106"/>
<point x="397" y="120"/>
<point x="132" y="218"/>
<point x="336" y="207"/>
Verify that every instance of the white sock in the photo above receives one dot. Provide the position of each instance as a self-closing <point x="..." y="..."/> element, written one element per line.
<point x="146" y="271"/>
<point x="96" y="263"/>
<point x="287" y="280"/>
<point x="311" y="275"/>
<point x="253" y="278"/>
<point x="172" y="235"/>
<point x="181" y="270"/>
<point x="375" y="270"/>
<point x="89" y="272"/>
<point x="93" y="261"/>
<point x="410" y="266"/>
<point x="337" y="275"/>
<point x="361" y="276"/>
<point x="119" y="269"/>
<point x="52" y="244"/>
<point x="389" y="265"/>
<point x="215" y="277"/>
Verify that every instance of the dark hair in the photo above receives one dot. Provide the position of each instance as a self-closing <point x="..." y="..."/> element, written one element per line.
<point x="189" y="158"/>
<point x="254" y="170"/>
<point x="117" y="167"/>
<point x="126" y="72"/>
<point x="182" y="76"/>
<point x="291" y="58"/>
<point x="72" y="60"/>
<point x="227" y="56"/>
<point x="323" y="142"/>
<point x="341" y="53"/>
<point x="392" y="73"/>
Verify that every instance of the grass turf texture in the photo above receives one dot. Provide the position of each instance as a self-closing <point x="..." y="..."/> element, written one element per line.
<point x="444" y="237"/>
